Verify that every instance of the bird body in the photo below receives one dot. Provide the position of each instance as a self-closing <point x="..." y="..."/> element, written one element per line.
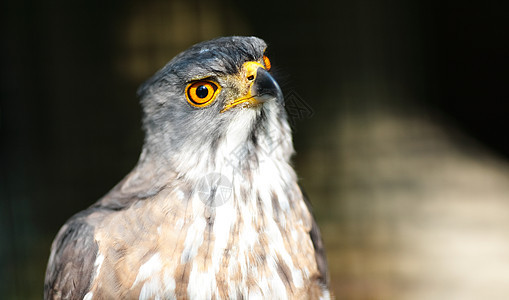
<point x="210" y="211"/>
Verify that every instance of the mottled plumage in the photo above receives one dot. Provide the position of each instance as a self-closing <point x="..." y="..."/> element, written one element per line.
<point x="155" y="236"/>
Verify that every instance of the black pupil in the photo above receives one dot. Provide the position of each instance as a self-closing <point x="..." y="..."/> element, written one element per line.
<point x="202" y="91"/>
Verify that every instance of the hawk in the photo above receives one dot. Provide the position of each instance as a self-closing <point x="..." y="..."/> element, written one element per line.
<point x="212" y="210"/>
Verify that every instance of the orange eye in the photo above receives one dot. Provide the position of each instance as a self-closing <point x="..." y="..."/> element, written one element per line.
<point x="201" y="93"/>
<point x="266" y="61"/>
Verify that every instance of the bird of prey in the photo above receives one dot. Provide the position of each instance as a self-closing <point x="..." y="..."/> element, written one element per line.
<point x="213" y="209"/>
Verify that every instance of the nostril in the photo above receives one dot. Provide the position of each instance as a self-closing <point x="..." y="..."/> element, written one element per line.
<point x="250" y="77"/>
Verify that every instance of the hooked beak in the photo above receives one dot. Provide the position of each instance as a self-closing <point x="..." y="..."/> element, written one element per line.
<point x="263" y="88"/>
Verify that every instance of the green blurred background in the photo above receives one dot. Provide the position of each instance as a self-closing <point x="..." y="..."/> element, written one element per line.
<point x="403" y="150"/>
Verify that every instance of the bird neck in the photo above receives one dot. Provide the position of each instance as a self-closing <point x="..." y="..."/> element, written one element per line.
<point x="254" y="147"/>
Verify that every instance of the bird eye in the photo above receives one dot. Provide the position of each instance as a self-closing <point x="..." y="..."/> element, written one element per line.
<point x="201" y="93"/>
<point x="266" y="61"/>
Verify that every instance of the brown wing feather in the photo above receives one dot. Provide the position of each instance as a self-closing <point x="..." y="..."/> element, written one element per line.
<point x="316" y="238"/>
<point x="74" y="250"/>
<point x="72" y="258"/>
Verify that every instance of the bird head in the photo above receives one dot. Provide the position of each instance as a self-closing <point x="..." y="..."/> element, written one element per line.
<point x="211" y="100"/>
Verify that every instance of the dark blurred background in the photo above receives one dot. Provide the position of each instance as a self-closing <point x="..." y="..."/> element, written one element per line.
<point x="403" y="146"/>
